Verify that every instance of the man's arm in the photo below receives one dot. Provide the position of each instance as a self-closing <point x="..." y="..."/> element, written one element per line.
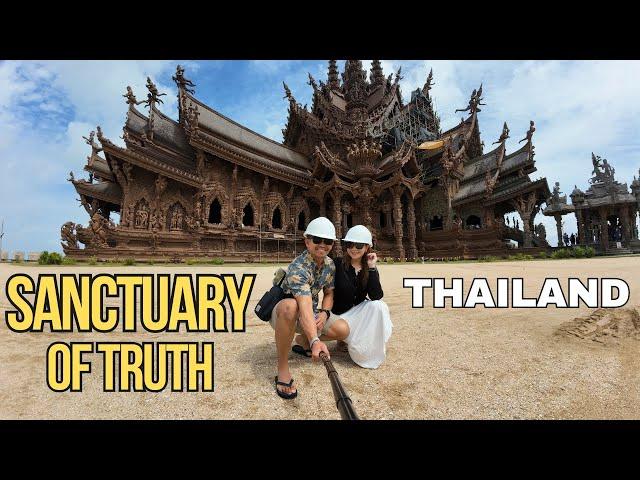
<point x="327" y="299"/>
<point x="308" y="322"/>
<point x="306" y="317"/>
<point x="327" y="304"/>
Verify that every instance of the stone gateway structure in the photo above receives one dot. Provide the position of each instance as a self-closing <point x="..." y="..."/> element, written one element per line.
<point x="606" y="213"/>
<point x="204" y="186"/>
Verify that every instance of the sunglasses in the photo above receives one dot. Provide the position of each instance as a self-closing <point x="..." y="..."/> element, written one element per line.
<point x="318" y="240"/>
<point x="357" y="245"/>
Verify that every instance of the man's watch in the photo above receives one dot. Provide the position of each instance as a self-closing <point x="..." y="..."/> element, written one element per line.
<point x="313" y="340"/>
<point x="328" y="312"/>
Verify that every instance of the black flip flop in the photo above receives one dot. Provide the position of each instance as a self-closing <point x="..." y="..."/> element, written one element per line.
<point x="299" y="349"/>
<point x="286" y="396"/>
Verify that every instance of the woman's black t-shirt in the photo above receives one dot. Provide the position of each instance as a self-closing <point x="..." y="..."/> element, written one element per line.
<point x="347" y="291"/>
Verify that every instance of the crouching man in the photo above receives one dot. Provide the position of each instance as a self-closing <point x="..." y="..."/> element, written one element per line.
<point x="310" y="272"/>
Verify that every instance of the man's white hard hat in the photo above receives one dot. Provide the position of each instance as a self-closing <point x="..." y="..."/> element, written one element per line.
<point x="321" y="227"/>
<point x="359" y="234"/>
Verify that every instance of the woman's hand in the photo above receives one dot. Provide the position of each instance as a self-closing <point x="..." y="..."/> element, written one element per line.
<point x="372" y="258"/>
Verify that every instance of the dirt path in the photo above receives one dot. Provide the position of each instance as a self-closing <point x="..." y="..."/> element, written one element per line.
<point x="446" y="363"/>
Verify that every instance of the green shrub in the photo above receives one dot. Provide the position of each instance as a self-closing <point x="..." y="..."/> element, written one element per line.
<point x="44" y="258"/>
<point x="47" y="258"/>
<point x="129" y="261"/>
<point x="521" y="256"/>
<point x="488" y="258"/>
<point x="93" y="261"/>
<point x="578" y="252"/>
<point x="589" y="252"/>
<point x="560" y="254"/>
<point x="543" y="254"/>
<point x="68" y="261"/>
<point x="217" y="261"/>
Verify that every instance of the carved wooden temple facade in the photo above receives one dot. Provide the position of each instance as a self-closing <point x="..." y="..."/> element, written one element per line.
<point x="204" y="186"/>
<point x="606" y="213"/>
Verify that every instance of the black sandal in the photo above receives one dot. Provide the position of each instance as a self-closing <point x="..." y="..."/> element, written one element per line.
<point x="286" y="396"/>
<point x="300" y="350"/>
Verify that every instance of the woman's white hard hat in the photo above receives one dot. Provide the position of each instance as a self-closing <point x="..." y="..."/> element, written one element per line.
<point x="321" y="227"/>
<point x="359" y="234"/>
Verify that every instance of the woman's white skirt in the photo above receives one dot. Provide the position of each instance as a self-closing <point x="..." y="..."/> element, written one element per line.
<point x="370" y="328"/>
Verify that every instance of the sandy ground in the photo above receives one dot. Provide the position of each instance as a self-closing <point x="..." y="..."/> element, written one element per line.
<point x="446" y="363"/>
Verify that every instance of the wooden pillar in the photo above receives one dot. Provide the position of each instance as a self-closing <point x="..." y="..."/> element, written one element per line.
<point x="411" y="229"/>
<point x="389" y="223"/>
<point x="581" y="227"/>
<point x="336" y="195"/>
<point x="525" y="205"/>
<point x="604" y="230"/>
<point x="420" y="224"/>
<point x="397" y="219"/>
<point x="323" y="207"/>
<point x="624" y="221"/>
<point x="558" y="218"/>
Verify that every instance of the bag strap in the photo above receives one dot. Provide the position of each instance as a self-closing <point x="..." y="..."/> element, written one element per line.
<point x="286" y="272"/>
<point x="279" y="284"/>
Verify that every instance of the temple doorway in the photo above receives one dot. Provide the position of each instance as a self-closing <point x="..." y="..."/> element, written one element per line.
<point x="436" y="223"/>
<point x="215" y="212"/>
<point x="276" y="218"/>
<point x="247" y="215"/>
<point x="473" y="222"/>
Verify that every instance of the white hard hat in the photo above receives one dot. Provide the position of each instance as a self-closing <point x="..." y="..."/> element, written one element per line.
<point x="359" y="234"/>
<point x="321" y="227"/>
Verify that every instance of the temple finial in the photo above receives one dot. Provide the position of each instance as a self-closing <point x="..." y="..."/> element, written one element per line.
<point x="333" y="78"/>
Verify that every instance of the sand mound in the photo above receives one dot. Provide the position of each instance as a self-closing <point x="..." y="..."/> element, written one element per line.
<point x="605" y="325"/>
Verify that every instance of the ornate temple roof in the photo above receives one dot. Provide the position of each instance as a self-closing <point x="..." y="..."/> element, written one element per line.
<point x="99" y="167"/>
<point x="346" y="112"/>
<point x="358" y="128"/>
<point x="496" y="174"/>
<point x="106" y="191"/>
<point x="243" y="137"/>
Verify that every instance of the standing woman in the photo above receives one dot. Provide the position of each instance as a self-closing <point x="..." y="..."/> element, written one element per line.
<point x="368" y="320"/>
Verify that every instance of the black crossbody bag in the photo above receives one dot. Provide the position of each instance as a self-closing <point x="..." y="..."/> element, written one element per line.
<point x="269" y="300"/>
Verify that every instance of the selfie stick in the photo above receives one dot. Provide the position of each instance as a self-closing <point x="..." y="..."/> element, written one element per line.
<point x="343" y="402"/>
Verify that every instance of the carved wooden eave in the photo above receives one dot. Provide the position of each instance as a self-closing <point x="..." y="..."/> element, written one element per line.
<point x="413" y="184"/>
<point x="109" y="192"/>
<point x="540" y="187"/>
<point x="250" y="160"/>
<point x="397" y="159"/>
<point x="491" y="176"/>
<point x="221" y="136"/>
<point x="526" y="165"/>
<point x="144" y="161"/>
<point x="168" y="145"/>
<point x="99" y="167"/>
<point x="324" y="160"/>
<point x="319" y="189"/>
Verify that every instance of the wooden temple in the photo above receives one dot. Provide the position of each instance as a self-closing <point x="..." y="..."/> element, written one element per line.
<point x="204" y="186"/>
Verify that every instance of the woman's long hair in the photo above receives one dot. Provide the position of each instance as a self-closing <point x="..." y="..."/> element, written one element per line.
<point x="363" y="276"/>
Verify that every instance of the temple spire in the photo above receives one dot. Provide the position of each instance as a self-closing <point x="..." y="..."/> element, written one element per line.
<point x="377" y="76"/>
<point x="428" y="84"/>
<point x="333" y="79"/>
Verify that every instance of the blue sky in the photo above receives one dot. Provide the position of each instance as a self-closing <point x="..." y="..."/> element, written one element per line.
<point x="46" y="107"/>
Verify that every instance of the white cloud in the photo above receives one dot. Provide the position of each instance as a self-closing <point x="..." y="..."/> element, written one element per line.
<point x="46" y="107"/>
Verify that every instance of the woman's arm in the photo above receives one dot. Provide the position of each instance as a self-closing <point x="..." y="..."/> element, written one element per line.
<point x="374" y="289"/>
